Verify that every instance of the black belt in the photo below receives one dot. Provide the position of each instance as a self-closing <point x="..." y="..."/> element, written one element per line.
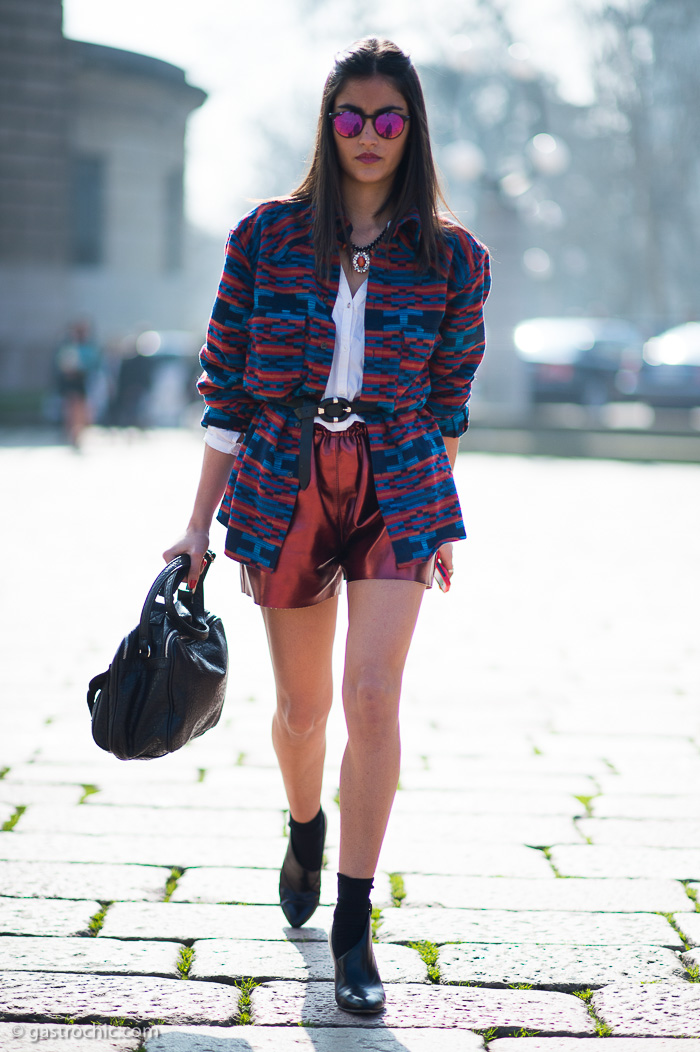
<point x="306" y="411"/>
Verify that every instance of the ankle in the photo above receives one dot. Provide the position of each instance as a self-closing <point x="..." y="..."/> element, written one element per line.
<point x="352" y="913"/>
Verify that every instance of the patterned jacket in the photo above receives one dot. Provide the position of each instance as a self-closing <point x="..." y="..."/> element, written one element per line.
<point x="272" y="336"/>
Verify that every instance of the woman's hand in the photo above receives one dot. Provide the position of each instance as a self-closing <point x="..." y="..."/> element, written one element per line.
<point x="194" y="543"/>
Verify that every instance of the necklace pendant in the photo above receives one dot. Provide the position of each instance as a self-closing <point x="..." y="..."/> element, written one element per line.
<point x="360" y="261"/>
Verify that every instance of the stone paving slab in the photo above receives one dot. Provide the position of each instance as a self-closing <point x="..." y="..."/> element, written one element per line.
<point x="318" y="1039"/>
<point x="156" y="821"/>
<point x="183" y="921"/>
<point x="62" y="1037"/>
<point x="480" y="829"/>
<point x="52" y="917"/>
<point x="260" y="887"/>
<point x="245" y="791"/>
<point x="505" y="926"/>
<point x="557" y="967"/>
<point x="587" y="1044"/>
<point x="482" y="860"/>
<point x="641" y="832"/>
<point x="614" y="747"/>
<point x="417" y="1006"/>
<point x="80" y="880"/>
<point x="600" y="860"/>
<point x="690" y="926"/>
<point x="657" y="1010"/>
<point x="481" y="802"/>
<point x="226" y="959"/>
<point x="589" y="895"/>
<point x="646" y="806"/>
<point x="112" y="956"/>
<point x="180" y="851"/>
<point x="102" y="768"/>
<point x="665" y="783"/>
<point x="477" y="773"/>
<point x="90" y="997"/>
<point x="25" y="793"/>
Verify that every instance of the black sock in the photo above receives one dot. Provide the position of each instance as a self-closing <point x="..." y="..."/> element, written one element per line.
<point x="307" y="841"/>
<point x="350" y="916"/>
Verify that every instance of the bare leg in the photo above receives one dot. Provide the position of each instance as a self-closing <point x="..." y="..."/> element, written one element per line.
<point x="301" y="647"/>
<point x="382" y="617"/>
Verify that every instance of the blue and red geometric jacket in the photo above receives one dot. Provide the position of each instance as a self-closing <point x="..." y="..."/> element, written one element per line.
<point x="272" y="337"/>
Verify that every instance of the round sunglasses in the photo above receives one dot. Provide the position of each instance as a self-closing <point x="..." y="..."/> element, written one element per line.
<point x="349" y="123"/>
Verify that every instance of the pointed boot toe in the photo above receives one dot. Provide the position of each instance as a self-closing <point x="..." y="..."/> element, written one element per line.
<point x="300" y="889"/>
<point x="358" y="987"/>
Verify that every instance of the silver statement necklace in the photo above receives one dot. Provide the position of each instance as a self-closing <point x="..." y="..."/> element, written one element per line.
<point x="361" y="255"/>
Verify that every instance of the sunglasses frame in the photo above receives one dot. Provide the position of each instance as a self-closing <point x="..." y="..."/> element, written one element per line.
<point x="373" y="117"/>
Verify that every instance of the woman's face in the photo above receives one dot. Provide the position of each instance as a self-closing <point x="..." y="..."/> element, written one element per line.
<point x="369" y="159"/>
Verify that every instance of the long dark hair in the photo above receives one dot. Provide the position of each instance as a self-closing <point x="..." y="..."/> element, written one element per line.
<point x="415" y="184"/>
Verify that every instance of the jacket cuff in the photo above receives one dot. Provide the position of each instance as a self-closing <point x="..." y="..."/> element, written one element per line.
<point x="451" y="425"/>
<point x="226" y="421"/>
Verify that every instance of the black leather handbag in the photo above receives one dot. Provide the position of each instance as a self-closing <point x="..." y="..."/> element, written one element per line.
<point x="167" y="682"/>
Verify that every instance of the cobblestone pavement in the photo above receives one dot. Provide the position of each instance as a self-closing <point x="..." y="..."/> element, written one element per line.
<point x="538" y="884"/>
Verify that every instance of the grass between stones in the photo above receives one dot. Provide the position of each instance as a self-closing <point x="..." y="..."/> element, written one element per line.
<point x="428" y="952"/>
<point x="692" y="970"/>
<point x="184" y="961"/>
<point x="96" y="922"/>
<point x="586" y="802"/>
<point x="14" y="818"/>
<point x="692" y="894"/>
<point x="4" y="771"/>
<point x="246" y="986"/>
<point x="547" y="852"/>
<point x="201" y="774"/>
<point x="88" y="790"/>
<point x="171" y="883"/>
<point x="376" y="922"/>
<point x="398" y="889"/>
<point x="602" y="1029"/>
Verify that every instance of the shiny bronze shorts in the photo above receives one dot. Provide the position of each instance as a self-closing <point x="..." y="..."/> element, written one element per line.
<point x="337" y="530"/>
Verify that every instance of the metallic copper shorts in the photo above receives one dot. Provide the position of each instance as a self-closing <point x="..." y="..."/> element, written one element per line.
<point x="337" y="530"/>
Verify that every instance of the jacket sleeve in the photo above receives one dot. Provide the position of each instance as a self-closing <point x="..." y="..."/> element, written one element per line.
<point x="223" y="356"/>
<point x="460" y="345"/>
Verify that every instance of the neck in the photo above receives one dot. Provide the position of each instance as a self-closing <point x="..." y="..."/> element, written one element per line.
<point x="361" y="205"/>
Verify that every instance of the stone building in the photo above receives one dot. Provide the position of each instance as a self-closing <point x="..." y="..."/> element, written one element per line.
<point x="91" y="193"/>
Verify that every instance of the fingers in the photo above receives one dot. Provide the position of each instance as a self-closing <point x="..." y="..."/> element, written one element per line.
<point x="196" y="560"/>
<point x="195" y="547"/>
<point x="446" y="557"/>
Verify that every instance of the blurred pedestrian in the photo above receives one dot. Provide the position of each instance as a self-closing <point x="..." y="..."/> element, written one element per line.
<point x="337" y="369"/>
<point x="76" y="367"/>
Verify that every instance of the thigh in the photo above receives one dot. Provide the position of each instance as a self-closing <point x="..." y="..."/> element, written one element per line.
<point x="301" y="649"/>
<point x="382" y="616"/>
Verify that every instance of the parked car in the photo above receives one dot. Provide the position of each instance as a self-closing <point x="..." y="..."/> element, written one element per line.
<point x="590" y="361"/>
<point x="670" y="373"/>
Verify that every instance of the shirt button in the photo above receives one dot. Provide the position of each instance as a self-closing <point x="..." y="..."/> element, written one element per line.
<point x="349" y="306"/>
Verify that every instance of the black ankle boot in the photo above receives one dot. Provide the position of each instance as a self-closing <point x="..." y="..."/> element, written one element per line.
<point x="300" y="889"/>
<point x="358" y="987"/>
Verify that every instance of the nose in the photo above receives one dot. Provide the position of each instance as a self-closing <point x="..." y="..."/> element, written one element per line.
<point x="368" y="135"/>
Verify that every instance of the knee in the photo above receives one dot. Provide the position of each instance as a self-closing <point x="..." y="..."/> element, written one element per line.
<point x="301" y="721"/>
<point x="371" y="703"/>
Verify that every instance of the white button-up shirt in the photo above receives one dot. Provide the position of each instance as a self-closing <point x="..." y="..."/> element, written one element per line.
<point x="345" y="378"/>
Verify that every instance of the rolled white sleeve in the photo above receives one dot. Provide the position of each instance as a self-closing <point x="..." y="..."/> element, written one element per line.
<point x="223" y="440"/>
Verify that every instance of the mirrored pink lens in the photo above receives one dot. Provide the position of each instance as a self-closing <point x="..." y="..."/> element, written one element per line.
<point x="389" y="125"/>
<point x="348" y="124"/>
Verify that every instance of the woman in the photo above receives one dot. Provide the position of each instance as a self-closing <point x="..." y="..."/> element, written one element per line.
<point x="337" y="370"/>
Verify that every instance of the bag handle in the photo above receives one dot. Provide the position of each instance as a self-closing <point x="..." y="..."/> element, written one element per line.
<point x="169" y="578"/>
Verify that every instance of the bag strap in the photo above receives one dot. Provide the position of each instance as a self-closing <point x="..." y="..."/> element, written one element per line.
<point x="169" y="578"/>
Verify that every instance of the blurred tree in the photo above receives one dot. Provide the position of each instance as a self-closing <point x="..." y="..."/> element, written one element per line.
<point x="647" y="78"/>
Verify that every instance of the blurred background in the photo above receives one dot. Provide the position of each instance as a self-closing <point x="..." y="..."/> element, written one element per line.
<point x="135" y="134"/>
